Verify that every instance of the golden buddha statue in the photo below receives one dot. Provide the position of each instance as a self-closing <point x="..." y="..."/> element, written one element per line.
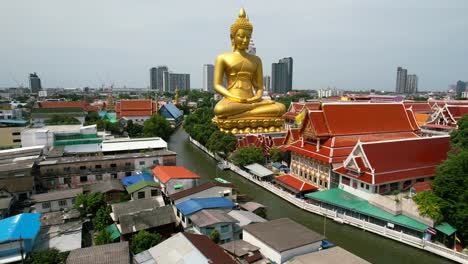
<point x="242" y="110"/>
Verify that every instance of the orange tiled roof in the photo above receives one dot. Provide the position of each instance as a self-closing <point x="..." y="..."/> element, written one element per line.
<point x="405" y="154"/>
<point x="144" y="107"/>
<point x="66" y="104"/>
<point x="421" y="118"/>
<point x="296" y="183"/>
<point x="167" y="173"/>
<point x="347" y="119"/>
<point x="419" y="107"/>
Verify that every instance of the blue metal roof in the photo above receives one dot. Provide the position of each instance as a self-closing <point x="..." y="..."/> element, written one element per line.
<point x="196" y="204"/>
<point x="14" y="122"/>
<point x="25" y="226"/>
<point x="173" y="110"/>
<point x="130" y="180"/>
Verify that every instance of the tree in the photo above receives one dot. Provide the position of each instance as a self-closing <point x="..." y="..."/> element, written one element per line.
<point x="459" y="137"/>
<point x="451" y="182"/>
<point x="90" y="203"/>
<point x="222" y="142"/>
<point x="144" y="240"/>
<point x="102" y="218"/>
<point x="133" y="130"/>
<point x="157" y="126"/>
<point x="92" y="117"/>
<point x="276" y="155"/>
<point x="103" y="237"/>
<point x="247" y="155"/>
<point x="51" y="255"/>
<point x="215" y="236"/>
<point x="429" y="205"/>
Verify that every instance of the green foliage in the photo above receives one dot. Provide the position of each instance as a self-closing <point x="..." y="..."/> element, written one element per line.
<point x="451" y="182"/>
<point x="102" y="218"/>
<point x="222" y="142"/>
<point x="215" y="236"/>
<point x="199" y="126"/>
<point x="157" y="126"/>
<point x="144" y="240"/>
<point x="49" y="256"/>
<point x="103" y="237"/>
<point x="276" y="155"/>
<point x="459" y="137"/>
<point x="92" y="116"/>
<point x="133" y="130"/>
<point x="429" y="205"/>
<point x="89" y="203"/>
<point x="61" y="120"/>
<point x="247" y="155"/>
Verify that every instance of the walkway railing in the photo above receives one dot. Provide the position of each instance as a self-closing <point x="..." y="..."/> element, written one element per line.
<point x="377" y="229"/>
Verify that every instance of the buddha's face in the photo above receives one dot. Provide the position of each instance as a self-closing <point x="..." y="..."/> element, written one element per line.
<point x="242" y="38"/>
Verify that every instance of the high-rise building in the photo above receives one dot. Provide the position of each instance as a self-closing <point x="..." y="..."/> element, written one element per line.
<point x="281" y="75"/>
<point x="208" y="73"/>
<point x="402" y="74"/>
<point x="177" y="80"/>
<point x="406" y="83"/>
<point x="411" y="84"/>
<point x="460" y="88"/>
<point x="157" y="77"/>
<point x="266" y="83"/>
<point x="289" y="67"/>
<point x="34" y="83"/>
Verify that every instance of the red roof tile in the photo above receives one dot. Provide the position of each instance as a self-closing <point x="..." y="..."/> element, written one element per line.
<point x="296" y="183"/>
<point x="348" y="119"/>
<point x="289" y="115"/>
<point x="422" y="186"/>
<point x="457" y="111"/>
<point x="406" y="154"/>
<point x="419" y="107"/>
<point x="145" y="107"/>
<point x="167" y="173"/>
<point x="66" y="104"/>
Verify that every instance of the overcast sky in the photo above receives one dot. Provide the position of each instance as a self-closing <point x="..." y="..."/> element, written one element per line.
<point x="348" y="44"/>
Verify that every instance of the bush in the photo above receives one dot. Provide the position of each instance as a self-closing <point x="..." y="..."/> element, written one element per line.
<point x="144" y="240"/>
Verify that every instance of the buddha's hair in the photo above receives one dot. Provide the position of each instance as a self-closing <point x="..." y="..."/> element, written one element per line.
<point x="242" y="22"/>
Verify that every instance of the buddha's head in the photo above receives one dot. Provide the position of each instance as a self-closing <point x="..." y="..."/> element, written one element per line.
<point x="241" y="32"/>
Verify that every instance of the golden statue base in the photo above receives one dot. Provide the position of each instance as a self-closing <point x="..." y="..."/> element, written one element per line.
<point x="250" y="125"/>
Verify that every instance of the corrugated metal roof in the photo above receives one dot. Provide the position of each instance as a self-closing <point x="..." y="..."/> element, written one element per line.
<point x="259" y="170"/>
<point x="194" y="205"/>
<point x="24" y="226"/>
<point x="133" y="144"/>
<point x="346" y="200"/>
<point x="130" y="180"/>
<point x="173" y="110"/>
<point x="140" y="185"/>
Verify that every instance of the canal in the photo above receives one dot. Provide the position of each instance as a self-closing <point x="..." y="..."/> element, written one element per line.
<point x="373" y="248"/>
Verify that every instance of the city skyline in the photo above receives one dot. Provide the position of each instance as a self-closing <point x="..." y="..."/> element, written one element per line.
<point x="353" y="46"/>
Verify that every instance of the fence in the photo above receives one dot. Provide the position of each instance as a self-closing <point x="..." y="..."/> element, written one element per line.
<point x="377" y="229"/>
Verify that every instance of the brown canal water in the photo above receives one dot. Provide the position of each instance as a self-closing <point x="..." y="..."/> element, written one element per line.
<point x="369" y="246"/>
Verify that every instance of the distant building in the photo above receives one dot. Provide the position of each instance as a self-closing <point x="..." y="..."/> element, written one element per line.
<point x="324" y="93"/>
<point x="157" y="77"/>
<point x="282" y="75"/>
<point x="251" y="49"/>
<point x="208" y="73"/>
<point x="401" y="80"/>
<point x="55" y="201"/>
<point x="267" y="83"/>
<point x="460" y="88"/>
<point x="175" y="81"/>
<point x="406" y="83"/>
<point x="172" y="114"/>
<point x="174" y="178"/>
<point x="34" y="83"/>
<point x="136" y="110"/>
<point x="412" y="84"/>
